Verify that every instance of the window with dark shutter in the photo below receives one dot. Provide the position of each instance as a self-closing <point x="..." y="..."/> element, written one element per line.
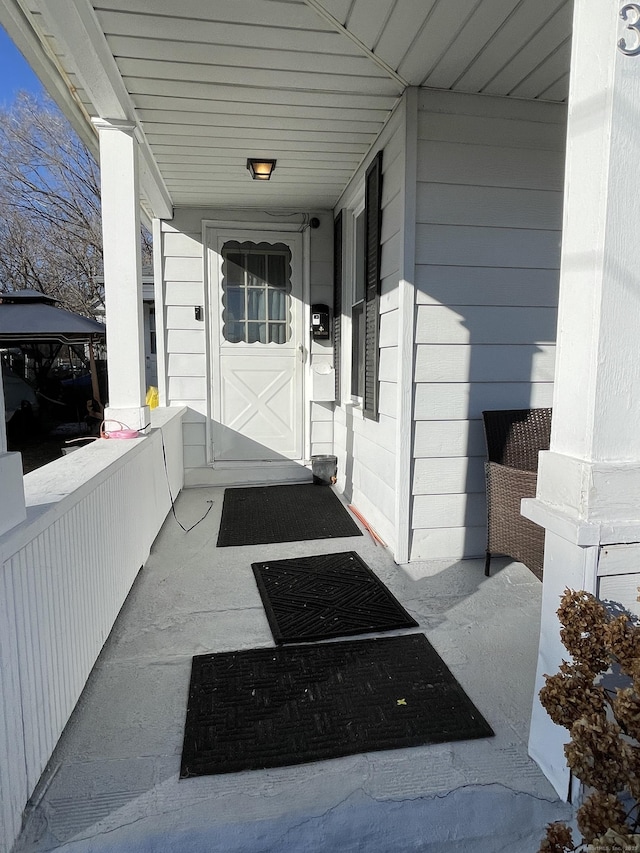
<point x="337" y="298"/>
<point x="373" y="223"/>
<point x="358" y="305"/>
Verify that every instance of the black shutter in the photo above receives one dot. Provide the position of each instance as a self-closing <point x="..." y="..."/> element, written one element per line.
<point x="373" y="224"/>
<point x="337" y="298"/>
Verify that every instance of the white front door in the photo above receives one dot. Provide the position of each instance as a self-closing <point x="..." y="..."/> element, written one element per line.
<point x="258" y="346"/>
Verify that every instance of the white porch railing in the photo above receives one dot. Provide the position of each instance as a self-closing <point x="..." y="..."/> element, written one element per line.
<point x="65" y="572"/>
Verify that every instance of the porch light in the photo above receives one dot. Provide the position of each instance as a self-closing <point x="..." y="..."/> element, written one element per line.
<point x="260" y="169"/>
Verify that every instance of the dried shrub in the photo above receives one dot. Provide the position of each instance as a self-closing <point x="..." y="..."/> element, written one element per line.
<point x="558" y="839"/>
<point x="599" y="813"/>
<point x="570" y="695"/>
<point x="583" y="619"/>
<point x="604" y="749"/>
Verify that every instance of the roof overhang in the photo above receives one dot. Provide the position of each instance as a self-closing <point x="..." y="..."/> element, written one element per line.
<point x="311" y="83"/>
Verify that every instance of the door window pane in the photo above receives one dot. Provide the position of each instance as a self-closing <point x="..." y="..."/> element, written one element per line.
<point x="235" y="274"/>
<point x="256" y="304"/>
<point x="277" y="271"/>
<point x="277" y="333"/>
<point x="278" y="305"/>
<point x="256" y="292"/>
<point x="235" y="303"/>
<point x="256" y="267"/>
<point x="235" y="332"/>
<point x="257" y="333"/>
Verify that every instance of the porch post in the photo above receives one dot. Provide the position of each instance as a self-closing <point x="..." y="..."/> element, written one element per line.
<point x="589" y="481"/>
<point x="12" y="505"/>
<point x="122" y="272"/>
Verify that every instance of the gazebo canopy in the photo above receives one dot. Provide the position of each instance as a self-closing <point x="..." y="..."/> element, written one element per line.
<point x="27" y="316"/>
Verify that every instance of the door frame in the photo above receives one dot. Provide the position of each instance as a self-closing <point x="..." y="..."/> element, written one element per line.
<point x="265" y="230"/>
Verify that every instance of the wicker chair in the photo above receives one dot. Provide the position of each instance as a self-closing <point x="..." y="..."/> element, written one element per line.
<point x="514" y="438"/>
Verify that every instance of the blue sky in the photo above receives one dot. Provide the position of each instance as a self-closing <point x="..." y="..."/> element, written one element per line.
<point x="15" y="73"/>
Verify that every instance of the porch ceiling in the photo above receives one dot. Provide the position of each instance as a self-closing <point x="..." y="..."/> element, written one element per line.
<point x="308" y="82"/>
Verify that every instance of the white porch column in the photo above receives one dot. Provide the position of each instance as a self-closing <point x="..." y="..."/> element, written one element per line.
<point x="12" y="506"/>
<point x="589" y="481"/>
<point x="122" y="272"/>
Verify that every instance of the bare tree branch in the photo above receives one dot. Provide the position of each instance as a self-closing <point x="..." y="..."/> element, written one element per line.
<point x="50" y="225"/>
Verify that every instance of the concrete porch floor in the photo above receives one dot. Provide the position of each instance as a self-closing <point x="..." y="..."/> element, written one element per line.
<point x="112" y="783"/>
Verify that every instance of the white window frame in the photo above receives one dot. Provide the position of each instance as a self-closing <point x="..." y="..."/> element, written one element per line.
<point x="348" y="293"/>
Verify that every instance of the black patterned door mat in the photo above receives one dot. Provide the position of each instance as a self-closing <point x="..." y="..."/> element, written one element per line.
<point x="273" y="707"/>
<point x="264" y="514"/>
<point x="325" y="596"/>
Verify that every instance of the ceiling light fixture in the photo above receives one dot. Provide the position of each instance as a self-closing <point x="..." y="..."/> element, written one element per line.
<point x="260" y="169"/>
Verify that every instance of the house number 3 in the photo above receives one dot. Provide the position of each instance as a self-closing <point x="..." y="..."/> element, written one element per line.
<point x="631" y="15"/>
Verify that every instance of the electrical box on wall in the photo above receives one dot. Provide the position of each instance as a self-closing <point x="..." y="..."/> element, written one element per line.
<point x="323" y="386"/>
<point x="320" y="323"/>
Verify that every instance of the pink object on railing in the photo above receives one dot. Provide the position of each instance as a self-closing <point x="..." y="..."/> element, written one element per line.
<point x="123" y="432"/>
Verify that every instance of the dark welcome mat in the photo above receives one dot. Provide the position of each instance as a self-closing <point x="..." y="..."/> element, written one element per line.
<point x="297" y="704"/>
<point x="328" y="595"/>
<point x="263" y="514"/>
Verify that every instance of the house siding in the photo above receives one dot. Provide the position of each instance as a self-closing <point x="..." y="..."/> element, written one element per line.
<point x="187" y="345"/>
<point x="366" y="449"/>
<point x="185" y="339"/>
<point x="488" y="231"/>
<point x="321" y="351"/>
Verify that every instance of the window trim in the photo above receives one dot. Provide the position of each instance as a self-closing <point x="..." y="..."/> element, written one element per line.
<point x="367" y="199"/>
<point x="357" y="210"/>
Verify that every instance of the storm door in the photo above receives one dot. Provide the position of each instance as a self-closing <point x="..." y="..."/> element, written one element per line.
<point x="258" y="372"/>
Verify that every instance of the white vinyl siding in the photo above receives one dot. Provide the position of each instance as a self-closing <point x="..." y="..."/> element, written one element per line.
<point x="321" y="351"/>
<point x="488" y="230"/>
<point x="186" y="344"/>
<point x="187" y="347"/>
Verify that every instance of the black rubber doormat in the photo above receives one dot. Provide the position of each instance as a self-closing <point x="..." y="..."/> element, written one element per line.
<point x="263" y="514"/>
<point x="325" y="596"/>
<point x="261" y="708"/>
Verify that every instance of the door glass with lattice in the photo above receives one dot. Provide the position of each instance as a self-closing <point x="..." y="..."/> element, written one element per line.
<point x="256" y="287"/>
